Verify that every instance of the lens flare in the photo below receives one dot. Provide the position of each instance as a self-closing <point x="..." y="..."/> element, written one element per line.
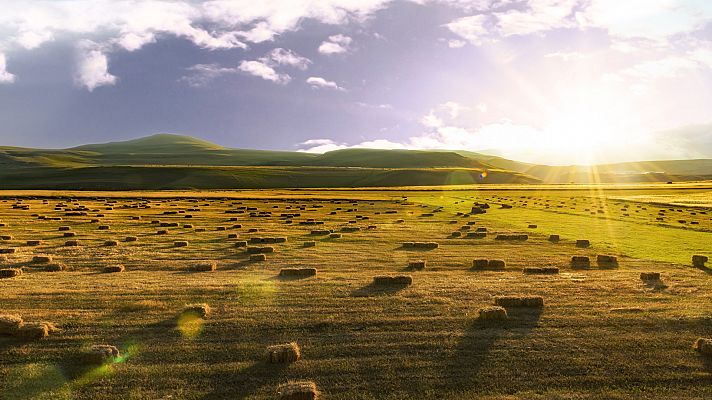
<point x="190" y="325"/>
<point x="37" y="381"/>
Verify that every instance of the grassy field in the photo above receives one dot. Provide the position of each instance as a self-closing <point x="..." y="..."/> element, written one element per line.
<point x="602" y="333"/>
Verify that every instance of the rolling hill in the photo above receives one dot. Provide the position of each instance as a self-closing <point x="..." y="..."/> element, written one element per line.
<point x="181" y="162"/>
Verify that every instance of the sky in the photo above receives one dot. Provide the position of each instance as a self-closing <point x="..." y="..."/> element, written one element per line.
<point x="546" y="81"/>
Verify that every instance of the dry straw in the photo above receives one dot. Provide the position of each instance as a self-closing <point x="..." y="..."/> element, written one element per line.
<point x="283" y="353"/>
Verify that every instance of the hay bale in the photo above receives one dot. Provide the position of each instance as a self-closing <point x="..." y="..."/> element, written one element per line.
<point x="606" y="261"/>
<point x="6" y="273"/>
<point x="56" y="267"/>
<point x="232" y="235"/>
<point x="100" y="354"/>
<point x="200" y="310"/>
<point x="703" y="346"/>
<point x="699" y="261"/>
<point x="297" y="272"/>
<point x="426" y="245"/>
<point x="298" y="390"/>
<point x="180" y="243"/>
<point x="103" y="227"/>
<point x="131" y="239"/>
<point x="496" y="264"/>
<point x="492" y="313"/>
<point x="258" y="257"/>
<point x="32" y="331"/>
<point x="583" y="243"/>
<point x="9" y="250"/>
<point x="187" y="226"/>
<point x="71" y="243"/>
<point x="283" y="353"/>
<point x="334" y="236"/>
<point x="199" y="230"/>
<point x="310" y="243"/>
<point x="5" y="237"/>
<point x="33" y="242"/>
<point x="519" y="301"/>
<point x="480" y="264"/>
<point x="260" y="249"/>
<point x="162" y="232"/>
<point x="114" y="269"/>
<point x="69" y="234"/>
<point x="416" y="265"/>
<point x="111" y="243"/>
<point x="540" y="270"/>
<point x="242" y="243"/>
<point x="554" y="238"/>
<point x="650" y="276"/>
<point x="320" y="232"/>
<point x="208" y="266"/>
<point x="393" y="280"/>
<point x="532" y="226"/>
<point x="10" y="323"/>
<point x="63" y="228"/>
<point x="580" y="262"/>
<point x="41" y="259"/>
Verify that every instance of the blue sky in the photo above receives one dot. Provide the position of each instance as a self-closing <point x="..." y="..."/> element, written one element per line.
<point x="555" y="81"/>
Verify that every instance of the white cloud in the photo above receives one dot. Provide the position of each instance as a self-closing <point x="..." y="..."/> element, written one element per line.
<point x="264" y="71"/>
<point x="93" y="66"/>
<point x="5" y="77"/>
<point x="320" y="146"/>
<point x="456" y="44"/>
<point x="287" y="57"/>
<point x="319" y="82"/>
<point x="567" y="56"/>
<point x="336" y="44"/>
<point x="202" y="74"/>
<point x="473" y="28"/>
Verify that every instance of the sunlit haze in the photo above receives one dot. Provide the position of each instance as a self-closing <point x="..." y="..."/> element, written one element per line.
<point x="544" y="81"/>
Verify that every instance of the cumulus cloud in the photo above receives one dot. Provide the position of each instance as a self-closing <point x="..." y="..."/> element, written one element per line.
<point x="202" y="74"/>
<point x="336" y="44"/>
<point x="262" y="70"/>
<point x="5" y="77"/>
<point x="281" y="56"/>
<point x="131" y="24"/>
<point x="319" y="82"/>
<point x="93" y="66"/>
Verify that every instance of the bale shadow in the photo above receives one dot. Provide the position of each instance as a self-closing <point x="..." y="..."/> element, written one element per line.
<point x="378" y="290"/>
<point x="655" y="285"/>
<point x="248" y="381"/>
<point x="473" y="348"/>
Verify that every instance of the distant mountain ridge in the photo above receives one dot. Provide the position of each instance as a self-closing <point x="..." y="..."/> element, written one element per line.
<point x="198" y="163"/>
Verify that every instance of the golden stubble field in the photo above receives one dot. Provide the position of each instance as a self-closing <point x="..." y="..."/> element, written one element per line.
<point x="601" y="333"/>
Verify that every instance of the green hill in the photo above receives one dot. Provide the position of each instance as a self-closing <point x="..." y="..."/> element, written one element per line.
<point x="177" y="162"/>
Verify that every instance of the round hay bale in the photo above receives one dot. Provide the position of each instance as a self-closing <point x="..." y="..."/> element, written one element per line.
<point x="297" y="272"/>
<point x="258" y="257"/>
<point x="41" y="259"/>
<point x="392" y="280"/>
<point x="32" y="331"/>
<point x="6" y="273"/>
<point x="283" y="353"/>
<point x="56" y="267"/>
<point x="10" y="323"/>
<point x="703" y="346"/>
<point x="416" y="265"/>
<point x="71" y="243"/>
<point x="111" y="243"/>
<point x="519" y="301"/>
<point x="310" y="243"/>
<point x="208" y="266"/>
<point x="111" y="269"/>
<point x="201" y="310"/>
<point x="180" y="243"/>
<point x="298" y="390"/>
<point x="492" y="313"/>
<point x="33" y="242"/>
<point x="131" y="239"/>
<point x="100" y="354"/>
